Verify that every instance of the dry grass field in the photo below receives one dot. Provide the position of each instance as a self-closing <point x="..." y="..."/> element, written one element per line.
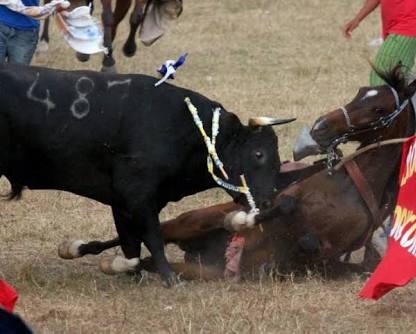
<point x="274" y="57"/>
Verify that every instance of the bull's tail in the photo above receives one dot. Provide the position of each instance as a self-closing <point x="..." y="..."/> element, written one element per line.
<point x="15" y="192"/>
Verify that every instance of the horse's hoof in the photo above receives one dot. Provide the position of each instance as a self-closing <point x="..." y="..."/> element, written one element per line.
<point x="42" y="47"/>
<point x="69" y="249"/>
<point x="109" y="69"/>
<point x="110" y="264"/>
<point x="129" y="50"/>
<point x="82" y="57"/>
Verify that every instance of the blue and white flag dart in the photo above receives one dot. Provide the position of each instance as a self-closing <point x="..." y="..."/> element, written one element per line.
<point x="168" y="69"/>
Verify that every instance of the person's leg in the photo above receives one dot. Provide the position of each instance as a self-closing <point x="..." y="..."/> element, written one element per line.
<point x="4" y="37"/>
<point x="395" y="49"/>
<point x="22" y="46"/>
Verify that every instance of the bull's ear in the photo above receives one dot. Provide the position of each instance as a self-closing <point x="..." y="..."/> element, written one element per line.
<point x="255" y="122"/>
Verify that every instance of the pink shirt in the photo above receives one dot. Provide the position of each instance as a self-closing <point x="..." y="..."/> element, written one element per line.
<point x="398" y="17"/>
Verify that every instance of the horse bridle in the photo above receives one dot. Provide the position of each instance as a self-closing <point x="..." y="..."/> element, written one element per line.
<point x="382" y="122"/>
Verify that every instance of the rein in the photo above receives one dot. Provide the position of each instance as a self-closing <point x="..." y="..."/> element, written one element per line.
<point x="352" y="156"/>
<point x="213" y="157"/>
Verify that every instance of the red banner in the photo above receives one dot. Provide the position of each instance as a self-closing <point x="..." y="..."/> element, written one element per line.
<point x="8" y="296"/>
<point x="398" y="266"/>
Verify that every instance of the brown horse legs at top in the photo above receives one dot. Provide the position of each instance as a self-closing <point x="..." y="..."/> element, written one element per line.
<point x="136" y="18"/>
<point x="110" y="21"/>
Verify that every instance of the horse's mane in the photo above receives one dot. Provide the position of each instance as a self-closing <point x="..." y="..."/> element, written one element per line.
<point x="394" y="77"/>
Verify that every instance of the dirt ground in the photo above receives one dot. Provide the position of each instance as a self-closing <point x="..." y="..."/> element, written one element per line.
<point x="257" y="57"/>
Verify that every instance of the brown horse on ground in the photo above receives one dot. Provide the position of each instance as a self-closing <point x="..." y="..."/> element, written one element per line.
<point x="320" y="217"/>
<point x="111" y="19"/>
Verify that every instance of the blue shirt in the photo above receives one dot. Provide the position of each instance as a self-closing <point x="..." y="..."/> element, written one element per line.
<point x="19" y="21"/>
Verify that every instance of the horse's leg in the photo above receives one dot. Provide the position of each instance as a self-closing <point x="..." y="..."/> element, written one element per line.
<point x="188" y="270"/>
<point x="197" y="223"/>
<point x="120" y="11"/>
<point x="43" y="45"/>
<point x="371" y="257"/>
<point x="108" y="64"/>
<point x="136" y="18"/>
<point x="77" y="248"/>
<point x="187" y="226"/>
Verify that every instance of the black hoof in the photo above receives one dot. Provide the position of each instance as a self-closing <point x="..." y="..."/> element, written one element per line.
<point x="82" y="57"/>
<point x="171" y="281"/>
<point x="148" y="264"/>
<point x="109" y="69"/>
<point x="129" y="50"/>
<point x="108" y="61"/>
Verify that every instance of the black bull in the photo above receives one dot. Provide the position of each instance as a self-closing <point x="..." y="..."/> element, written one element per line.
<point x="121" y="141"/>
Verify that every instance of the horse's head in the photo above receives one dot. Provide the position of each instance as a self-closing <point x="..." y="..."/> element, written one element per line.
<point x="376" y="113"/>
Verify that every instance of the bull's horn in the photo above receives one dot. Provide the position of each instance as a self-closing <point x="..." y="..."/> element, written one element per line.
<point x="267" y="121"/>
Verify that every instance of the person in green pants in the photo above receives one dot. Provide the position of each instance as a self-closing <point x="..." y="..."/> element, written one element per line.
<point x="399" y="33"/>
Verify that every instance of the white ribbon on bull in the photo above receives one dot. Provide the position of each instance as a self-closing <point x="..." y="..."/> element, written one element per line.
<point x="81" y="31"/>
<point x="213" y="156"/>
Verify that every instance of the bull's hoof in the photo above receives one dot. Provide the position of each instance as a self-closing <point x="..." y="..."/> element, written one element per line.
<point x="69" y="249"/>
<point x="109" y="69"/>
<point x="148" y="264"/>
<point x="82" y="57"/>
<point x="42" y="47"/>
<point x="172" y="281"/>
<point x="129" y="49"/>
<point x="110" y="264"/>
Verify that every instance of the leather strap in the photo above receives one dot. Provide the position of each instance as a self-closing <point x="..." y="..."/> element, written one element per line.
<point x="365" y="190"/>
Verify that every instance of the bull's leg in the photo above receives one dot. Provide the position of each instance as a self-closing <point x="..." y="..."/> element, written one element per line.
<point x="147" y="215"/>
<point x="130" y="242"/>
<point x="136" y="18"/>
<point x="108" y="64"/>
<point x="128" y="233"/>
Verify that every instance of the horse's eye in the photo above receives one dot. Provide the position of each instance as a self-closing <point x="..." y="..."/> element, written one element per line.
<point x="379" y="110"/>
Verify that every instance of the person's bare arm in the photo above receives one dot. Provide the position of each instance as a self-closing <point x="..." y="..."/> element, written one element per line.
<point x="367" y="8"/>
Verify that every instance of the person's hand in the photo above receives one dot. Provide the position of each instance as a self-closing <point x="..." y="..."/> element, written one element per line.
<point x="349" y="27"/>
